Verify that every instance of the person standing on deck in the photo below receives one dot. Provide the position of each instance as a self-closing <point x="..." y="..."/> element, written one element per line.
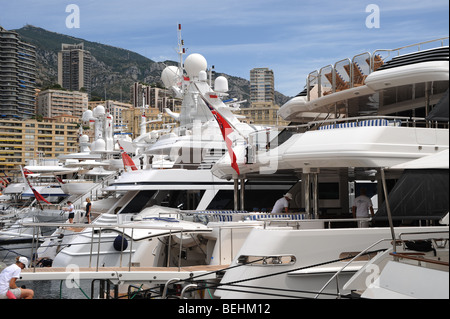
<point x="361" y="208"/>
<point x="88" y="210"/>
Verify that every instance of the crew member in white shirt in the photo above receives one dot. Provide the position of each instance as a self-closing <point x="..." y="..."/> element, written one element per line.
<point x="8" y="277"/>
<point x="282" y="205"/>
<point x="361" y="208"/>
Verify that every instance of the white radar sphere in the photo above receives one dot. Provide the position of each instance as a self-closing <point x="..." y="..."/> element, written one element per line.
<point x="99" y="111"/>
<point x="98" y="145"/>
<point x="87" y="115"/>
<point x="84" y="139"/>
<point x="170" y="76"/>
<point x="194" y="64"/>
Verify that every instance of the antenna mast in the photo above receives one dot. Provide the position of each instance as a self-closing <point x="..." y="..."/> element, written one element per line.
<point x="181" y="50"/>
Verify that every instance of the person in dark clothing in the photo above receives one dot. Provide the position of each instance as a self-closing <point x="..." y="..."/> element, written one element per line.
<point x="88" y="210"/>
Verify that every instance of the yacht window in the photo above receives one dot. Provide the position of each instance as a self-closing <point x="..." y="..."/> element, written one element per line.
<point x="328" y="190"/>
<point x="279" y="260"/>
<point x="138" y="202"/>
<point x="258" y="199"/>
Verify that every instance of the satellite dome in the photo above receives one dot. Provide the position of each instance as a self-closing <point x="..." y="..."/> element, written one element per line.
<point x="194" y="64"/>
<point x="170" y="76"/>
<point x="99" y="110"/>
<point x="98" y="145"/>
<point x="84" y="139"/>
<point x="202" y="76"/>
<point x="221" y="84"/>
<point x="87" y="115"/>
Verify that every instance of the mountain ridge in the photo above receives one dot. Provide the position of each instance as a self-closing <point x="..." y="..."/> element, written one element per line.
<point x="113" y="69"/>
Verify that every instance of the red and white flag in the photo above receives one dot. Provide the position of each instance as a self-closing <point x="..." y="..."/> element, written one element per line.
<point x="226" y="130"/>
<point x="37" y="195"/>
<point x="127" y="160"/>
<point x="27" y="172"/>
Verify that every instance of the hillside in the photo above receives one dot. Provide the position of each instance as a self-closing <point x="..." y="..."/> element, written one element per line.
<point x="114" y="69"/>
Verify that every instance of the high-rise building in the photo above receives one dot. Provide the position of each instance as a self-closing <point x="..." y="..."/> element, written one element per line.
<point x="262" y="110"/>
<point x="262" y="85"/>
<point x="17" y="76"/>
<point x="74" y="67"/>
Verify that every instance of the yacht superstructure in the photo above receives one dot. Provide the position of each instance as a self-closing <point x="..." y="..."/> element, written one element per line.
<point x="354" y="119"/>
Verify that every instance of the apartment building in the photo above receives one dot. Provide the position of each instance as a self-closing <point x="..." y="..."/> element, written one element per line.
<point x="74" y="67"/>
<point x="17" y="76"/>
<point x="24" y="140"/>
<point x="51" y="103"/>
<point x="262" y="113"/>
<point x="262" y="85"/>
<point x="262" y="110"/>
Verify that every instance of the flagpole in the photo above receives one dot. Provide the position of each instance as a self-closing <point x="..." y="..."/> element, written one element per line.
<point x="31" y="187"/>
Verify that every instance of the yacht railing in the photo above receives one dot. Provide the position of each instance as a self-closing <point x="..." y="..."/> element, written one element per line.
<point x="365" y="251"/>
<point x="418" y="47"/>
<point x="272" y="137"/>
<point x="295" y="219"/>
<point x="120" y="230"/>
<point x="349" y="73"/>
<point x="266" y="220"/>
<point x="91" y="192"/>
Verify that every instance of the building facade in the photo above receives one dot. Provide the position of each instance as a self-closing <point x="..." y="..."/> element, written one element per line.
<point x="17" y="76"/>
<point x="262" y="110"/>
<point x="262" y="113"/>
<point x="51" y="103"/>
<point x="262" y="85"/>
<point x="74" y="68"/>
<point x="25" y="140"/>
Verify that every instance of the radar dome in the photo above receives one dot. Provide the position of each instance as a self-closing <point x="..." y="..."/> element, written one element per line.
<point x="98" y="145"/>
<point x="170" y="76"/>
<point x="99" y="110"/>
<point x="221" y="84"/>
<point x="87" y="115"/>
<point x="194" y="64"/>
<point x="84" y="139"/>
<point x="202" y="76"/>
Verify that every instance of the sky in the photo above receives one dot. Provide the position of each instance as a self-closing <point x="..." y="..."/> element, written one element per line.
<point x="290" y="37"/>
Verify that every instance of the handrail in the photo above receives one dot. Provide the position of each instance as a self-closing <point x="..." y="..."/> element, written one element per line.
<point x="333" y="79"/>
<point x="115" y="227"/>
<point x="400" y="255"/>
<point x="347" y="264"/>
<point x="98" y="184"/>
<point x="412" y="257"/>
<point x="339" y="120"/>
<point x="371" y="64"/>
